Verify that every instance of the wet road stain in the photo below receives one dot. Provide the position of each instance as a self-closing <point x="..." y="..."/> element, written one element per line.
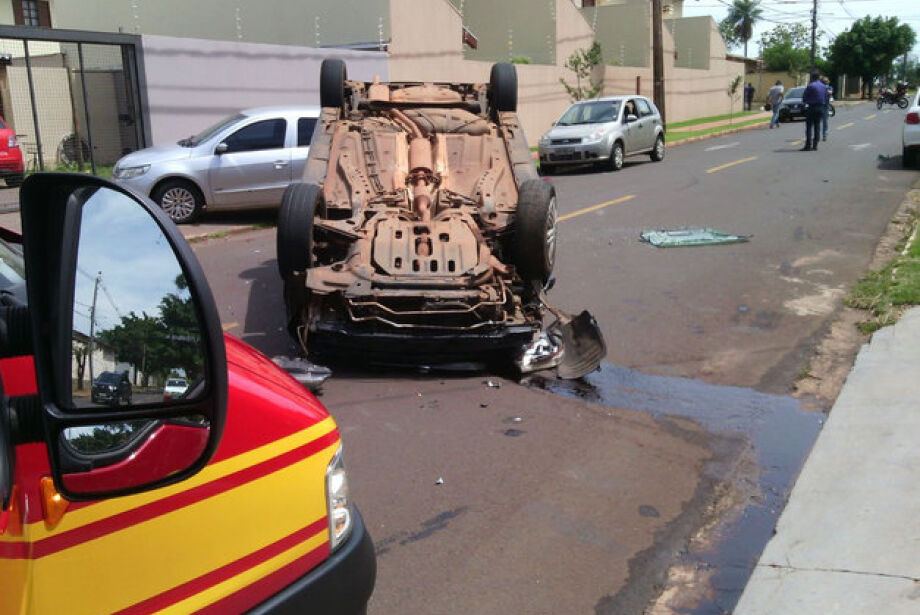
<point x="428" y="528"/>
<point x="648" y="511"/>
<point x="779" y="430"/>
<point x="514" y="433"/>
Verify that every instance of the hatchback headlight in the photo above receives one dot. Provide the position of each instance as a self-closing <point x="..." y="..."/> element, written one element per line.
<point x="597" y="134"/>
<point x="341" y="518"/>
<point x="544" y="140"/>
<point x="129" y="172"/>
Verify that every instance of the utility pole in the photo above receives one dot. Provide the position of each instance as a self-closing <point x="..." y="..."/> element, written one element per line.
<point x="92" y="325"/>
<point x="658" y="60"/>
<point x="814" y="32"/>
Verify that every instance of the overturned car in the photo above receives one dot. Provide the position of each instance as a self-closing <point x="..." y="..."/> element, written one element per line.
<point x="421" y="233"/>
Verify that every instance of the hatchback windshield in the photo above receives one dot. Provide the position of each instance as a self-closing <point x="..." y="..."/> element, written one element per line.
<point x="107" y="378"/>
<point x="210" y="131"/>
<point x="795" y="93"/>
<point x="590" y="113"/>
<point x="175" y="383"/>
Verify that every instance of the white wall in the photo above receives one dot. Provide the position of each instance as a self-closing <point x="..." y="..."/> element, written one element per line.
<point x="192" y="83"/>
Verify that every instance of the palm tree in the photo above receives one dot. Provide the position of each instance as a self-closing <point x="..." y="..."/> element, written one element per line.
<point x="742" y="15"/>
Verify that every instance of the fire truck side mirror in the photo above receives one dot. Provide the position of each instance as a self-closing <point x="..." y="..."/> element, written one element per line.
<point x="119" y="308"/>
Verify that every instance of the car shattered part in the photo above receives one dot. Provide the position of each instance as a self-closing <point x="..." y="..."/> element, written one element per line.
<point x="310" y="375"/>
<point x="545" y="352"/>
<point x="429" y="224"/>
<point x="583" y="344"/>
<point x="685" y="237"/>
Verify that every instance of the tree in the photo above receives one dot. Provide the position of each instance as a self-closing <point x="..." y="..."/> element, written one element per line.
<point x="787" y="48"/>
<point x="582" y="63"/>
<point x="80" y="352"/>
<point x="732" y="92"/>
<point x="869" y="48"/>
<point x="742" y="15"/>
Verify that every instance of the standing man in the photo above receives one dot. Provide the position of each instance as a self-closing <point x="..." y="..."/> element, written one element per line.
<point x="827" y="106"/>
<point x="814" y="98"/>
<point x="748" y="96"/>
<point x="775" y="97"/>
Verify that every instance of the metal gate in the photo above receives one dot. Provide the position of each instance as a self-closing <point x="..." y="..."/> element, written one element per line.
<point x="75" y="99"/>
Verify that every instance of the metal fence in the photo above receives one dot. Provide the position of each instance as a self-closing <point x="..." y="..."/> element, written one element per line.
<point x="75" y="99"/>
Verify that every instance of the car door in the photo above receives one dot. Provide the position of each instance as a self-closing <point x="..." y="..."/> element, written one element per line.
<point x="255" y="167"/>
<point x="646" y="125"/>
<point x="632" y="131"/>
<point x="305" y="126"/>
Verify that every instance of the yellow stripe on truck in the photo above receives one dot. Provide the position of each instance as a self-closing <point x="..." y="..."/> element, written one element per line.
<point x="123" y="568"/>
<point x="109" y="508"/>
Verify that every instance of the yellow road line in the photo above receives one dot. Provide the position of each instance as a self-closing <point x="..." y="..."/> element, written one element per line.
<point x="731" y="164"/>
<point x="869" y="117"/>
<point x="230" y="325"/>
<point x="586" y="210"/>
<point x="847" y="125"/>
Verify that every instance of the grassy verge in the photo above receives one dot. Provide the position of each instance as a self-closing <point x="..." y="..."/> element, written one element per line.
<point x="102" y="170"/>
<point x="712" y="118"/>
<point x="887" y="292"/>
<point x="679" y="135"/>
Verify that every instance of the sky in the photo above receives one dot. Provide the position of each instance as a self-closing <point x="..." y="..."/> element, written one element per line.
<point x="834" y="16"/>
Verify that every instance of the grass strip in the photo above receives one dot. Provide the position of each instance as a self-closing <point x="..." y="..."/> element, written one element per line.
<point x="680" y="135"/>
<point x="885" y="293"/>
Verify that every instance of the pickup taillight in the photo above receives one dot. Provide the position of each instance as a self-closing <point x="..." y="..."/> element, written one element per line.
<point x="912" y="118"/>
<point x="12" y="142"/>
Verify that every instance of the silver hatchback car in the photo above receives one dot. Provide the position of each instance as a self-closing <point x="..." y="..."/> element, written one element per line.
<point x="243" y="161"/>
<point x="603" y="131"/>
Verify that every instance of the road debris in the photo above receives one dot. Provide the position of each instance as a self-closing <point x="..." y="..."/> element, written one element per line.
<point x="310" y="375"/>
<point x="440" y="481"/>
<point x="686" y="237"/>
<point x="492" y="384"/>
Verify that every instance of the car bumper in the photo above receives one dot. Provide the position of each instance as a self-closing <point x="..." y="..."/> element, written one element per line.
<point x="911" y="138"/>
<point x="577" y="153"/>
<point x="11" y="163"/>
<point x="342" y="584"/>
<point x="142" y="184"/>
<point x="336" y="341"/>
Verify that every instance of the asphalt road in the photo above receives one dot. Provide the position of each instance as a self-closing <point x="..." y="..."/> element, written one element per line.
<point x="664" y="471"/>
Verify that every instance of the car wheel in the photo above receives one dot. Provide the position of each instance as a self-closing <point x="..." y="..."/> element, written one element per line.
<point x="332" y="76"/>
<point x="503" y="88"/>
<point x="657" y="154"/>
<point x="783" y="116"/>
<point x="14" y="181"/>
<point x="535" y="231"/>
<point x="180" y="199"/>
<point x="908" y="158"/>
<point x="295" y="228"/>
<point x="615" y="161"/>
<point x="546" y="169"/>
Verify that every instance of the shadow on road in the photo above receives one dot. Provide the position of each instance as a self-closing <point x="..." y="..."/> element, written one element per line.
<point x="265" y="327"/>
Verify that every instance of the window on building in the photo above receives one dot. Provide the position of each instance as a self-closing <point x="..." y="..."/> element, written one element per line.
<point x="32" y="13"/>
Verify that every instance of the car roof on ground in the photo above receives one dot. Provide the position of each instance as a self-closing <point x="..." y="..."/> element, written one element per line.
<point x="306" y="109"/>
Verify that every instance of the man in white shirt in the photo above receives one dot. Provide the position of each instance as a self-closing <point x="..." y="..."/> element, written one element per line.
<point x="775" y="97"/>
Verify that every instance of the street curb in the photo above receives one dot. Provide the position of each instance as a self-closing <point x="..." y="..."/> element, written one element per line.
<point x="713" y="135"/>
<point x="234" y="230"/>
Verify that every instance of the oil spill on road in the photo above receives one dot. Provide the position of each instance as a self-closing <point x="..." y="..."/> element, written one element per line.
<point x="779" y="430"/>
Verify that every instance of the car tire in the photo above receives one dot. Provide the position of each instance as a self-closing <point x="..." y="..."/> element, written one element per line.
<point x="503" y="88"/>
<point x="783" y="116"/>
<point x="908" y="158"/>
<point x="535" y="231"/>
<point x="615" y="161"/>
<point x="180" y="199"/>
<point x="332" y="76"/>
<point x="15" y="181"/>
<point x="295" y="228"/>
<point x="546" y="169"/>
<point x="657" y="153"/>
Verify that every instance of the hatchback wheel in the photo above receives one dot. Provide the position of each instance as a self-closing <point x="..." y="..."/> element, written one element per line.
<point x="658" y="151"/>
<point x="180" y="199"/>
<point x="615" y="162"/>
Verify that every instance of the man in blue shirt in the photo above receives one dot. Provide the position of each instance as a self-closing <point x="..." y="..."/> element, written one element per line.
<point x="815" y="99"/>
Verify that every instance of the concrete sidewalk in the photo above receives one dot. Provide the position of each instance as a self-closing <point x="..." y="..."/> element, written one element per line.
<point x="848" y="542"/>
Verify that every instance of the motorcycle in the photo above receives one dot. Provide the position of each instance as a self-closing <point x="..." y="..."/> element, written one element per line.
<point x="893" y="97"/>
